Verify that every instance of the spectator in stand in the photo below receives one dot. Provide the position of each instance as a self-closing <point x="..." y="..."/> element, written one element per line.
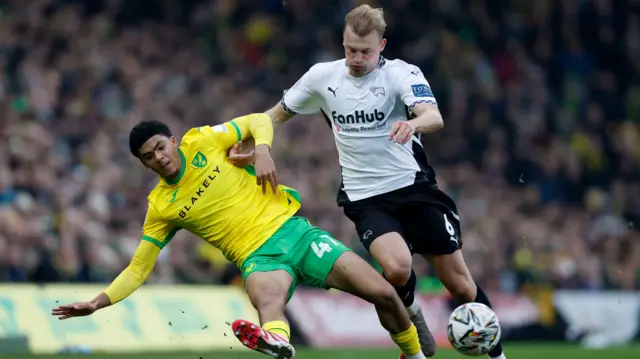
<point x="540" y="149"/>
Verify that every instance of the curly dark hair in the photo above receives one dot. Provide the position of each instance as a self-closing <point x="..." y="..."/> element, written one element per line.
<point x="143" y="131"/>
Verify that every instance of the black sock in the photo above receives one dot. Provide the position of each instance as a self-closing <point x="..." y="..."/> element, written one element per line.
<point x="407" y="291"/>
<point x="481" y="297"/>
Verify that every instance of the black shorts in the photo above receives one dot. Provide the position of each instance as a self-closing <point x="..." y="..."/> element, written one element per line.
<point x="422" y="214"/>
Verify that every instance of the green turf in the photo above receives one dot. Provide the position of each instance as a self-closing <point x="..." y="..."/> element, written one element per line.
<point x="542" y="351"/>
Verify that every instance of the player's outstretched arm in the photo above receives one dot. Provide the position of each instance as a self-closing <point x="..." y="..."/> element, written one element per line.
<point x="257" y="126"/>
<point x="241" y="158"/>
<point x="301" y="98"/>
<point x="428" y="118"/>
<point x="126" y="283"/>
<point x="81" y="309"/>
<point x="279" y="115"/>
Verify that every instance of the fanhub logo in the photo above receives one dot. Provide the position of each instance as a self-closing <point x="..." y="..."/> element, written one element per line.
<point x="358" y="117"/>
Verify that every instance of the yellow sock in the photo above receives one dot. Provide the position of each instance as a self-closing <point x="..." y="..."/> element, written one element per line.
<point x="408" y="341"/>
<point x="278" y="327"/>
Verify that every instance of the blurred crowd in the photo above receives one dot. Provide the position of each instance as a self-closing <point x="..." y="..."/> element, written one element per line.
<point x="541" y="145"/>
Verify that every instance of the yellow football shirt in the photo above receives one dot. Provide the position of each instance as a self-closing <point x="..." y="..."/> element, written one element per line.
<point x="215" y="200"/>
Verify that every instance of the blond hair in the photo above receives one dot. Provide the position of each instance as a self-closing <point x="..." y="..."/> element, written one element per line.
<point x="364" y="19"/>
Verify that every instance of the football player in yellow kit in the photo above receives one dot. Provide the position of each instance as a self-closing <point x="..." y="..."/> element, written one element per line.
<point x="253" y="224"/>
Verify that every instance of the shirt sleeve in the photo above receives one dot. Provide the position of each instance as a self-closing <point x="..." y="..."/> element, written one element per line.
<point x="302" y="97"/>
<point x="156" y="233"/>
<point x="257" y="125"/>
<point x="132" y="277"/>
<point x="414" y="88"/>
<point x="156" y="230"/>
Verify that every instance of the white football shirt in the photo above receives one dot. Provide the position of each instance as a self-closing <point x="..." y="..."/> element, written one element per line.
<point x="361" y="110"/>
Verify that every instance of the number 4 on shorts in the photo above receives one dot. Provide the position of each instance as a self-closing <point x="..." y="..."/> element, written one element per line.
<point x="322" y="247"/>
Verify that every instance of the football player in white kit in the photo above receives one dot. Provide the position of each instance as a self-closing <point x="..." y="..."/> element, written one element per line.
<point x="377" y="109"/>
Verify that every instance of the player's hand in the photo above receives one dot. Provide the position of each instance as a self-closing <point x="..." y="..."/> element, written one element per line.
<point x="401" y="132"/>
<point x="265" y="169"/>
<point x="79" y="309"/>
<point x="239" y="159"/>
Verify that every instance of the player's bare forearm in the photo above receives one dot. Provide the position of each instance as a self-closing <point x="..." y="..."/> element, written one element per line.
<point x="265" y="168"/>
<point x="278" y="115"/>
<point x="428" y="119"/>
<point x="101" y="301"/>
<point x="262" y="149"/>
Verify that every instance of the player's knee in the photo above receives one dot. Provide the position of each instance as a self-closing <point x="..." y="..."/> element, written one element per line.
<point x="267" y="298"/>
<point x="397" y="272"/>
<point x="383" y="296"/>
<point x="268" y="291"/>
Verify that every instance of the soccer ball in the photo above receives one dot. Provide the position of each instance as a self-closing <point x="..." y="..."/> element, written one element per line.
<point x="473" y="329"/>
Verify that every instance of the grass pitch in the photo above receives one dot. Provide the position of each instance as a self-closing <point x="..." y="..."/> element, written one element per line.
<point x="530" y="351"/>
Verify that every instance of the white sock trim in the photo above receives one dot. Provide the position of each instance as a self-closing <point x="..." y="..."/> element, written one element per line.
<point x="501" y="356"/>
<point x="415" y="356"/>
<point x="414" y="308"/>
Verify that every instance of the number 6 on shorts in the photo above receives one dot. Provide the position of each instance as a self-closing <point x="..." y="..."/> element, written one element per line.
<point x="451" y="230"/>
<point x="449" y="226"/>
<point x="321" y="247"/>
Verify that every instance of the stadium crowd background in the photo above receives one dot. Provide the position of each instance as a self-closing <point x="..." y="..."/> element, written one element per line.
<point x="541" y="144"/>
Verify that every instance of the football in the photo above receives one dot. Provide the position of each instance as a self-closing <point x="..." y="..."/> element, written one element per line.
<point x="473" y="329"/>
